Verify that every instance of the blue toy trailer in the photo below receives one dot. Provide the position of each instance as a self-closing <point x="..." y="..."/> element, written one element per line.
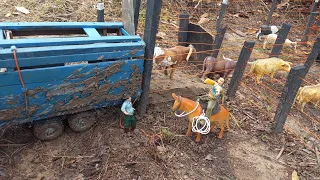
<point x="52" y="71"/>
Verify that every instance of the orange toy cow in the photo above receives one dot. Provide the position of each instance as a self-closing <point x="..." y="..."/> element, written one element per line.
<point x="172" y="57"/>
<point x="188" y="106"/>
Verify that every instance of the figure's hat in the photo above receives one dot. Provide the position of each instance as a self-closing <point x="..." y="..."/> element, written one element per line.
<point x="209" y="81"/>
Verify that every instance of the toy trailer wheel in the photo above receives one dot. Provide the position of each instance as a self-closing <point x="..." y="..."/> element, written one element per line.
<point x="48" y="129"/>
<point x="81" y="121"/>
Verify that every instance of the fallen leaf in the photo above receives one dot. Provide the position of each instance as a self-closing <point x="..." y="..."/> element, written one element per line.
<point x="8" y="15"/>
<point x="295" y="175"/>
<point x="203" y="20"/>
<point x="22" y="9"/>
<point x="252" y="30"/>
<point x="205" y="15"/>
<point x="285" y="3"/>
<point x="275" y="15"/>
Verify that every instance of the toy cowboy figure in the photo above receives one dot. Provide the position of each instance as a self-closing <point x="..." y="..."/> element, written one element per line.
<point x="129" y="119"/>
<point x="212" y="97"/>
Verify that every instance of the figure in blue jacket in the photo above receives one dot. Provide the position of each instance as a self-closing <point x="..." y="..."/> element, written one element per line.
<point x="129" y="119"/>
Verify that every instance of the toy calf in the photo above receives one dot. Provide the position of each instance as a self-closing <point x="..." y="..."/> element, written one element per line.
<point x="271" y="39"/>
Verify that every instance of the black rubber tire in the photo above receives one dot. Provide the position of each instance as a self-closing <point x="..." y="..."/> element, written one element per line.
<point x="82" y="121"/>
<point x="47" y="130"/>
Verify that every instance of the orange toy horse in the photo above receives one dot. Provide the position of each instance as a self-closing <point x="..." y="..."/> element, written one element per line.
<point x="193" y="109"/>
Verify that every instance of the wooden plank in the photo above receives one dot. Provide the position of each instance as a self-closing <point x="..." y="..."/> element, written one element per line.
<point x="70" y="49"/>
<point x="59" y="25"/>
<point x="124" y="32"/>
<point x="62" y="72"/>
<point x="35" y="42"/>
<point x="183" y="29"/>
<point x="128" y="16"/>
<point x="92" y="32"/>
<point x="1" y="35"/>
<point x="202" y="42"/>
<point x="51" y="60"/>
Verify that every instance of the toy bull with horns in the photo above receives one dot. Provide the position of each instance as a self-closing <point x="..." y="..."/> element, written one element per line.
<point x="172" y="57"/>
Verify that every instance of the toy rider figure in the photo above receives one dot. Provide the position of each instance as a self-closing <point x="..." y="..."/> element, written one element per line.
<point x="129" y="119"/>
<point x="212" y="97"/>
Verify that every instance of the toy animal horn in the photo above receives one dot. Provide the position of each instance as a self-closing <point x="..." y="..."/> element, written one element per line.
<point x="189" y="54"/>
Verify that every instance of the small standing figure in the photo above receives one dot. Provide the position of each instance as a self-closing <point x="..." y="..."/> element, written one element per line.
<point x="212" y="97"/>
<point x="129" y="119"/>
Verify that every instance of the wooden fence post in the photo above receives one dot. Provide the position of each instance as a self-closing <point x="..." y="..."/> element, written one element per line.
<point x="294" y="81"/>
<point x="151" y="27"/>
<point x="283" y="33"/>
<point x="273" y="7"/>
<point x="100" y="12"/>
<point x="136" y="6"/>
<point x="288" y="95"/>
<point x="221" y="14"/>
<point x="218" y="41"/>
<point x="240" y="67"/>
<point x="128" y="16"/>
<point x="311" y="21"/>
<point x="313" y="55"/>
<point x="183" y="29"/>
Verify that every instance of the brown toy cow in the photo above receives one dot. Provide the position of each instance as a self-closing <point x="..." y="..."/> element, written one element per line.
<point x="308" y="94"/>
<point x="268" y="66"/>
<point x="172" y="57"/>
<point x="222" y="67"/>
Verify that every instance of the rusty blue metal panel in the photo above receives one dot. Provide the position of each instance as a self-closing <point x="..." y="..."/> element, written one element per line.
<point x="36" y="42"/>
<point x="70" y="49"/>
<point x="80" y="88"/>
<point x="112" y="69"/>
<point x="52" y="60"/>
<point x="1" y="35"/>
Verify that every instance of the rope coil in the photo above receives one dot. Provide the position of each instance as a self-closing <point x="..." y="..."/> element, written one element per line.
<point x="202" y="119"/>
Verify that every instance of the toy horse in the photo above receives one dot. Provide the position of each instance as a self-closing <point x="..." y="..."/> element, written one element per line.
<point x="193" y="109"/>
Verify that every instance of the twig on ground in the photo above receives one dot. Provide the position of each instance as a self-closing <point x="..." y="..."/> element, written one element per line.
<point x="170" y="24"/>
<point x="264" y="4"/>
<point x="280" y="153"/>
<point x="236" y="121"/>
<point x="104" y="168"/>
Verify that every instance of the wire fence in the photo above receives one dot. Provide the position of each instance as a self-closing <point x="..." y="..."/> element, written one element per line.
<point x="243" y="19"/>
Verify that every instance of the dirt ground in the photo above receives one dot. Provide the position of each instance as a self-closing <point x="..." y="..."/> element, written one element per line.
<point x="248" y="150"/>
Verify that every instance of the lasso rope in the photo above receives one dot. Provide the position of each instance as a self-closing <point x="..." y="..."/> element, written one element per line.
<point x="182" y="114"/>
<point x="205" y="129"/>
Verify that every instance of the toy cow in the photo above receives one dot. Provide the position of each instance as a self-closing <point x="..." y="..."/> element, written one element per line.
<point x="268" y="66"/>
<point x="265" y="30"/>
<point x="212" y="65"/>
<point x="308" y="94"/>
<point x="271" y="39"/>
<point x="172" y="57"/>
